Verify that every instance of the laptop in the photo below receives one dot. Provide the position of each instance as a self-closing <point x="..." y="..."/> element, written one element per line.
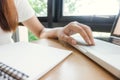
<point x="104" y="53"/>
<point x="115" y="32"/>
<point x="28" y="61"/>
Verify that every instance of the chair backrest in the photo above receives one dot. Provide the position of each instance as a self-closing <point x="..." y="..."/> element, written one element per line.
<point x="21" y="34"/>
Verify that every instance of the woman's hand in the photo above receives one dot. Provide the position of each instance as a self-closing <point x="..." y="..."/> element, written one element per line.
<point x="75" y="27"/>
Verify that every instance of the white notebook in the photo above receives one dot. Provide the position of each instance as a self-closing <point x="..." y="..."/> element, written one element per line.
<point x="28" y="61"/>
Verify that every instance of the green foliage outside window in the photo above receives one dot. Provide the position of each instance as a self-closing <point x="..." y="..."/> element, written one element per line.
<point x="39" y="6"/>
<point x="90" y="7"/>
<point x="31" y="36"/>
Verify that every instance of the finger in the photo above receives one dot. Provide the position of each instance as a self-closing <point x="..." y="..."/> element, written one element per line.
<point x="82" y="32"/>
<point x="69" y="39"/>
<point x="88" y="30"/>
<point x="89" y="33"/>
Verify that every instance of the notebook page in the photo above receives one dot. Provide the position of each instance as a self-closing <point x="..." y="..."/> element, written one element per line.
<point x="32" y="59"/>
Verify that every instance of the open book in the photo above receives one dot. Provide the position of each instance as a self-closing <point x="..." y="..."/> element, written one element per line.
<point x="28" y="61"/>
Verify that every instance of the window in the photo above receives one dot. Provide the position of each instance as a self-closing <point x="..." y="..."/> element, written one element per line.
<point x="90" y="7"/>
<point x="40" y="7"/>
<point x="98" y="14"/>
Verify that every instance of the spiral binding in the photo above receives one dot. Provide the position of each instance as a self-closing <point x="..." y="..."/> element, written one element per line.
<point x="8" y="73"/>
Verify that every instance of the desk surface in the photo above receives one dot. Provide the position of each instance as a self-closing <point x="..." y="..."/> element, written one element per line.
<point x="76" y="67"/>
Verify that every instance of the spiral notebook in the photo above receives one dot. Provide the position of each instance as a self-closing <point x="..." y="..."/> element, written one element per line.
<point x="28" y="61"/>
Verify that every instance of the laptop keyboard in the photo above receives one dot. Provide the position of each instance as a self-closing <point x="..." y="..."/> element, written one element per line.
<point x="115" y="41"/>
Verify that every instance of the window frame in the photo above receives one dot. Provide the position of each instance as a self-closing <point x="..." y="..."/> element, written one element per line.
<point x="97" y="23"/>
<point x="54" y="16"/>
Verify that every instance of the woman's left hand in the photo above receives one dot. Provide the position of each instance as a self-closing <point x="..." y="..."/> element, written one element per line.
<point x="75" y="27"/>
